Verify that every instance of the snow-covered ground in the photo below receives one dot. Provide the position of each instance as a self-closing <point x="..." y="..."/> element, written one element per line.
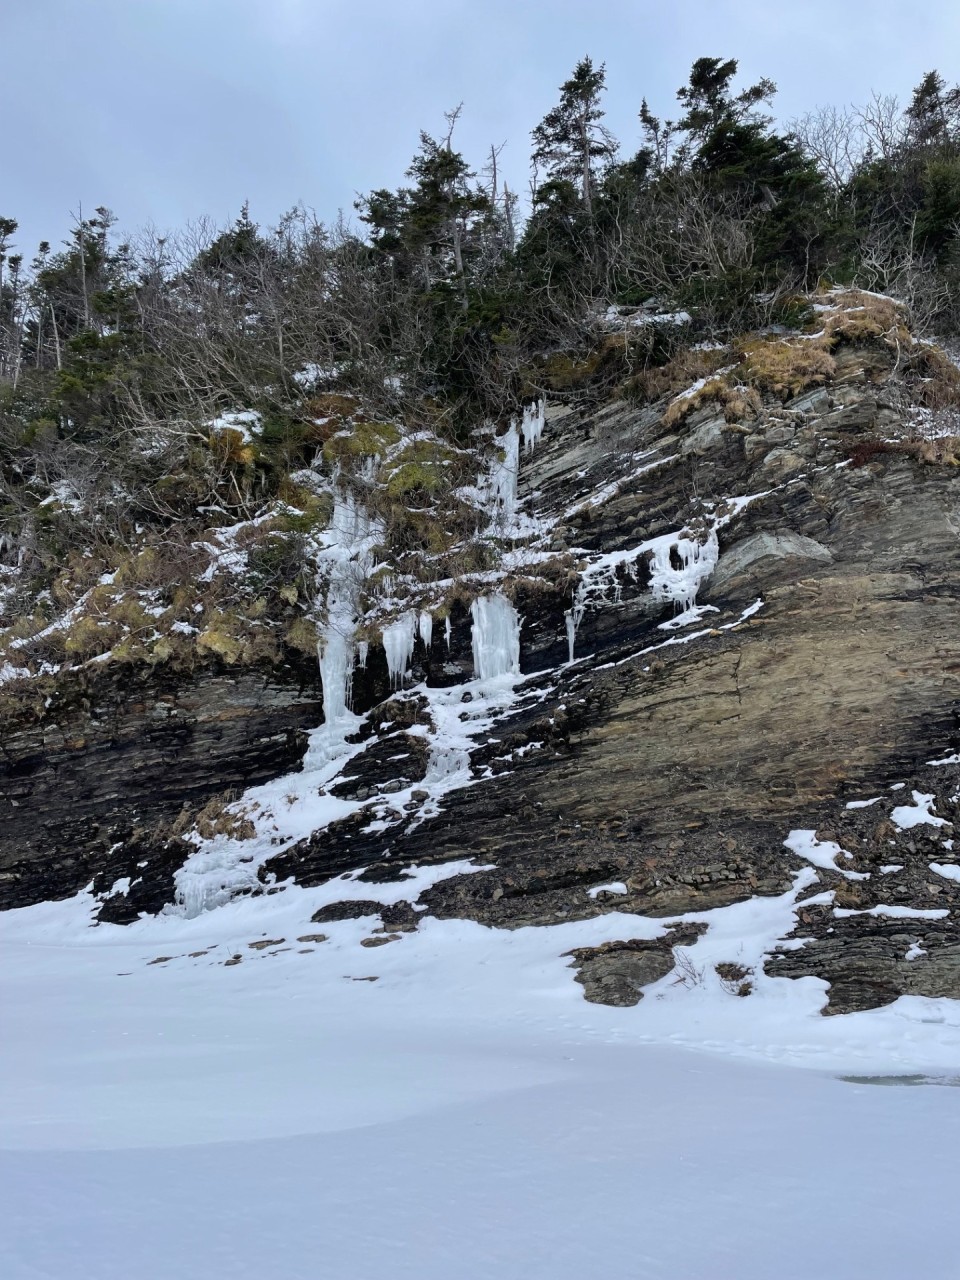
<point x="466" y="1115"/>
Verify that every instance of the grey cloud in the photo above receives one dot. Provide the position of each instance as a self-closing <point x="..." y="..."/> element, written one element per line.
<point x="168" y="109"/>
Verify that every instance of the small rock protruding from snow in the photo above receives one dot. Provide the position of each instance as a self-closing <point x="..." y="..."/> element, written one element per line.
<point x="822" y="853"/>
<point x="946" y="869"/>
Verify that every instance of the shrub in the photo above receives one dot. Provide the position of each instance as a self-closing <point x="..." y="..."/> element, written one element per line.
<point x="224" y="637"/>
<point x="933" y="377"/>
<point x="301" y="634"/>
<point x="864" y="451"/>
<point x="424" y="469"/>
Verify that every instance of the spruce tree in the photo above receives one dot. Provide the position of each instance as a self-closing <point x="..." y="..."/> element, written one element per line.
<point x="572" y="139"/>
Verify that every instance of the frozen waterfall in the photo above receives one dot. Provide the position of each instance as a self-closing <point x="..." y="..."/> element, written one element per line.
<point x="496" y="637"/>
<point x="679" y="566"/>
<point x="503" y="476"/>
<point x="425" y="625"/>
<point x="348" y="559"/>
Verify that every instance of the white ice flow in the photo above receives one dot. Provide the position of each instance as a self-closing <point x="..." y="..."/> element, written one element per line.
<point x="496" y="637"/>
<point x="502" y="481"/>
<point x="348" y="560"/>
<point x="425" y="626"/>
<point x="223" y="867"/>
<point x="532" y="424"/>
<point x="297" y="805"/>
<point x="678" y="567"/>
<point x="495" y="491"/>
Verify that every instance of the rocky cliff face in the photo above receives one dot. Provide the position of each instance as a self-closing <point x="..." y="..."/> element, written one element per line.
<point x="762" y="615"/>
<point x="92" y="785"/>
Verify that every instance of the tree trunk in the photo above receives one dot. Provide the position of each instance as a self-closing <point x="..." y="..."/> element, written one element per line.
<point x="586" y="176"/>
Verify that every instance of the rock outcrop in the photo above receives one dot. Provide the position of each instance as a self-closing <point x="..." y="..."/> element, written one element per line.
<point x="819" y="666"/>
<point x="92" y="784"/>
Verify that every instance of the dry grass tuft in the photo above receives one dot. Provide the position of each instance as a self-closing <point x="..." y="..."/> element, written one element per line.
<point x="737" y="401"/>
<point x="216" y="818"/>
<point x="944" y="451"/>
<point x="857" y="317"/>
<point x="784" y="367"/>
<point x="686" y="368"/>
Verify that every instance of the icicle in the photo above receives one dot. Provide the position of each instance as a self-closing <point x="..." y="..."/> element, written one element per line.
<point x="678" y="567"/>
<point x="573" y="617"/>
<point x="447" y="630"/>
<point x="531" y="427"/>
<point x="496" y="637"/>
<point x="425" y="623"/>
<point x="503" y="476"/>
<point x="398" y="640"/>
<point x="363" y="649"/>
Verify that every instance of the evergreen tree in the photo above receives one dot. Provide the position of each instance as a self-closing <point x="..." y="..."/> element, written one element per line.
<point x="434" y="229"/>
<point x="710" y="103"/>
<point x="933" y="116"/>
<point x="732" y="143"/>
<point x="572" y="139"/>
<point x="444" y="214"/>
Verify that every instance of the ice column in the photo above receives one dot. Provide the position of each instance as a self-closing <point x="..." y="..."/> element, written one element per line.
<point x="531" y="427"/>
<point x="425" y="624"/>
<point x="496" y="637"/>
<point x="348" y="559"/>
<point x="573" y="617"/>
<point x="503" y="477"/>
<point x="398" y="640"/>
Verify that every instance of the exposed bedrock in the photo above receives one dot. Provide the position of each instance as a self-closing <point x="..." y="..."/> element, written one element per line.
<point x="826" y="669"/>
<point x="85" y="784"/>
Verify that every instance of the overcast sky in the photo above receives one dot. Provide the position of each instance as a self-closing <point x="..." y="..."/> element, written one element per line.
<point x="165" y="110"/>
